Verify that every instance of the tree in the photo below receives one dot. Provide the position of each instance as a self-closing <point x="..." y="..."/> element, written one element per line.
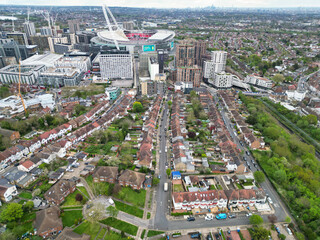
<point x="28" y="206"/>
<point x="169" y="103"/>
<point x="259" y="233"/>
<point x="155" y="181"/>
<point x="112" y="211"/>
<point x="259" y="176"/>
<point x="280" y="176"/>
<point x="192" y="134"/>
<point x="282" y="236"/>
<point x="79" y="109"/>
<point x="116" y="189"/>
<point x="272" y="219"/>
<point x="278" y="78"/>
<point x="95" y="213"/>
<point x="137" y="107"/>
<point x="312" y="119"/>
<point x="287" y="219"/>
<point x="8" y="235"/>
<point x="12" y="212"/>
<point x="168" y="171"/>
<point x="79" y="197"/>
<point x="256" y="219"/>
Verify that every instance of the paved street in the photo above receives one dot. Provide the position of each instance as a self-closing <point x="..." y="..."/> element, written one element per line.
<point x="161" y="222"/>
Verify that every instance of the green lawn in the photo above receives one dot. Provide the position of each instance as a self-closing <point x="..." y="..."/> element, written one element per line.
<point x="26" y="195"/>
<point x="129" y="209"/>
<point x="121" y="225"/>
<point x="239" y="186"/>
<point x="71" y="199"/>
<point x="152" y="233"/>
<point x="88" y="228"/>
<point x="212" y="187"/>
<point x="111" y="235"/>
<point x="69" y="217"/>
<point x="101" y="234"/>
<point x="148" y="215"/>
<point x="137" y="198"/>
<point x="178" y="188"/>
<point x="84" y="191"/>
<point x="143" y="233"/>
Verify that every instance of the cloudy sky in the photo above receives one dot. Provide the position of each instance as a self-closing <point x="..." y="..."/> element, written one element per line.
<point x="171" y="3"/>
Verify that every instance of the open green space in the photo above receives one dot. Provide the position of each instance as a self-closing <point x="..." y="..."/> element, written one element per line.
<point x="101" y="233"/>
<point x="121" y="225"/>
<point x="129" y="209"/>
<point x="70" y="218"/>
<point x="111" y="235"/>
<point x="71" y="199"/>
<point x="152" y="233"/>
<point x="136" y="197"/>
<point x="84" y="191"/>
<point x="26" y="195"/>
<point x="88" y="228"/>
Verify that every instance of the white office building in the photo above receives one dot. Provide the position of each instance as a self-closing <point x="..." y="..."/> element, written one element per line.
<point x="116" y="65"/>
<point x="258" y="81"/>
<point x="221" y="80"/>
<point x="29" y="28"/>
<point x="153" y="67"/>
<point x="29" y="74"/>
<point x="83" y="63"/>
<point x="60" y="76"/>
<point x="217" y="64"/>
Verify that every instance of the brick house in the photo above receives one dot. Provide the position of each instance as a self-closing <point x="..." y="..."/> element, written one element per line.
<point x="48" y="222"/>
<point x="59" y="191"/>
<point x="131" y="178"/>
<point x="106" y="174"/>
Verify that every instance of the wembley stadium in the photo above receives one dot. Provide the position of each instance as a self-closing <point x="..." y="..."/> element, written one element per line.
<point x="146" y="40"/>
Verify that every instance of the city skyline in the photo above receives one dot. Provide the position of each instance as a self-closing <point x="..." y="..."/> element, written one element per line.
<point x="175" y="4"/>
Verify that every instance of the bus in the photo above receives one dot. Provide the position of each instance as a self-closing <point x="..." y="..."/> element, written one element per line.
<point x="165" y="186"/>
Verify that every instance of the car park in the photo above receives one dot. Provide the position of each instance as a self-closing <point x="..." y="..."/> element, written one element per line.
<point x="191" y="219"/>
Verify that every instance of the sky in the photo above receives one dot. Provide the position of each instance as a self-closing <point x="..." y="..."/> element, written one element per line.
<point x="172" y="3"/>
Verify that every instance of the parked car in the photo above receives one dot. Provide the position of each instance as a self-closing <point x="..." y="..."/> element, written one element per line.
<point x="248" y="153"/>
<point x="270" y="200"/>
<point x="289" y="231"/>
<point x="209" y="237"/>
<point x="195" y="235"/>
<point x="191" y="219"/>
<point x="249" y="214"/>
<point x="217" y="236"/>
<point x="232" y="216"/>
<point x="208" y="217"/>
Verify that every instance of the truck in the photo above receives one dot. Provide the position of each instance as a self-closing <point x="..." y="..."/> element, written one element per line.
<point x="165" y="186"/>
<point x="221" y="216"/>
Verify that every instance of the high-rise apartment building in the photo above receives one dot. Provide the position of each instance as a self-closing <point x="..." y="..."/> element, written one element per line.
<point x="74" y="26"/>
<point x="19" y="37"/>
<point x="190" y="75"/>
<point x="217" y="64"/>
<point x="128" y="25"/>
<point x="29" y="28"/>
<point x="116" y="65"/>
<point x="46" y="31"/>
<point x="189" y="52"/>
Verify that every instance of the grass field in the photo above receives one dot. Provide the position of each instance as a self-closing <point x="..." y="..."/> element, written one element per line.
<point x="69" y="217"/>
<point x="152" y="233"/>
<point x="71" y="199"/>
<point x="121" y="225"/>
<point x="26" y="195"/>
<point x="178" y="188"/>
<point x="111" y="235"/>
<point x="84" y="191"/>
<point x="88" y="228"/>
<point x="137" y="198"/>
<point x="129" y="209"/>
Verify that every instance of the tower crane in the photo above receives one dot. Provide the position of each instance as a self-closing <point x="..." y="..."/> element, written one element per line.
<point x="19" y="94"/>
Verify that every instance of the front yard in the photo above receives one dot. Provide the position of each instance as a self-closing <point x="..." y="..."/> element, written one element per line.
<point x="71" y="199"/>
<point x="69" y="218"/>
<point x="135" y="211"/>
<point x="121" y="225"/>
<point x="136" y="197"/>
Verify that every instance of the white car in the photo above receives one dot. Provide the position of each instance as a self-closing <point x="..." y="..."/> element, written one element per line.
<point x="249" y="214"/>
<point x="270" y="200"/>
<point x="208" y="217"/>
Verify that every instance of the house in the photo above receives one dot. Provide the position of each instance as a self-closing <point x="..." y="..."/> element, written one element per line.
<point x="7" y="190"/>
<point x="12" y="135"/>
<point x="81" y="156"/>
<point x="105" y="174"/>
<point x="245" y="197"/>
<point x="57" y="175"/>
<point x="26" y="166"/>
<point x="69" y="234"/>
<point x="176" y="175"/>
<point x="132" y="179"/>
<point x="59" y="191"/>
<point x="48" y="222"/>
<point x="204" y="200"/>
